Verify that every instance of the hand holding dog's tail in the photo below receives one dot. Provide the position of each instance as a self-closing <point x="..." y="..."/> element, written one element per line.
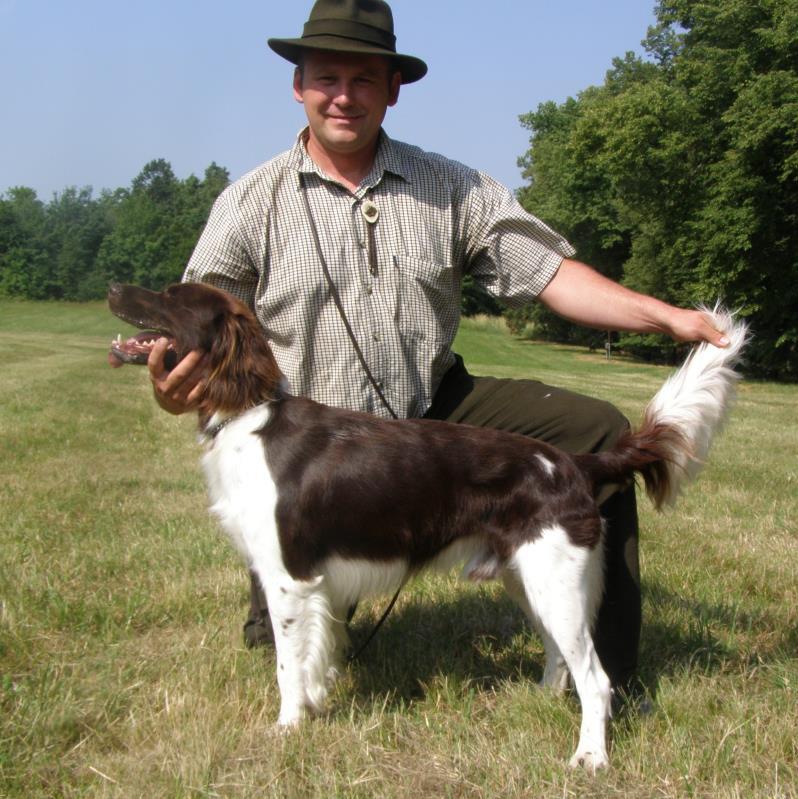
<point x="695" y="400"/>
<point x="672" y="443"/>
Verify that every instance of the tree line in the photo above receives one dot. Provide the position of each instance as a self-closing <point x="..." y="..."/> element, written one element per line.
<point x="678" y="177"/>
<point x="72" y="247"/>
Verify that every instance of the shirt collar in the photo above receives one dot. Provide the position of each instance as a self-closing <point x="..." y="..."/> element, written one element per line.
<point x="388" y="159"/>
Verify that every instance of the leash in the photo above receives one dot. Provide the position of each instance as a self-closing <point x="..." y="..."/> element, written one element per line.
<point x="359" y="651"/>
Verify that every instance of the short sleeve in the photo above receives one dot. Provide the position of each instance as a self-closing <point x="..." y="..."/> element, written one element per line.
<point x="510" y="252"/>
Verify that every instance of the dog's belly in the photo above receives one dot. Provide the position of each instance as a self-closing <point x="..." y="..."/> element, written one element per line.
<point x="348" y="580"/>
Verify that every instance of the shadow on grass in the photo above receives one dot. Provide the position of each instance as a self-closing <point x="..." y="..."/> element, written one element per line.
<point x="479" y="640"/>
<point x="689" y="634"/>
<point x="483" y="641"/>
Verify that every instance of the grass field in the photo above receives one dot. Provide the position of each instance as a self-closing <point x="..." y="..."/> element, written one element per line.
<point x="122" y="668"/>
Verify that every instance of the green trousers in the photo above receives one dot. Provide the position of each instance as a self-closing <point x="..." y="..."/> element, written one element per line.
<point x="574" y="423"/>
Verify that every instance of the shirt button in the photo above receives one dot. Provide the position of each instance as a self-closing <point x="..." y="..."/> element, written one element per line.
<point x="376" y="336"/>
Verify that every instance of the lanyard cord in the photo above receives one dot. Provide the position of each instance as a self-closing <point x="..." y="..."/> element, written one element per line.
<point x="336" y="297"/>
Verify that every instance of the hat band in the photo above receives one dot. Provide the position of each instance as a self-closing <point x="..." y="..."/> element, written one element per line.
<point x="350" y="29"/>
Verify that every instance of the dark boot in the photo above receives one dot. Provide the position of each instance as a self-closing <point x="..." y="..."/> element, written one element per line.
<point x="617" y="632"/>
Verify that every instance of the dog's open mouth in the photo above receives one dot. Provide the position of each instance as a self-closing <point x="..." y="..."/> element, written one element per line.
<point x="136" y="349"/>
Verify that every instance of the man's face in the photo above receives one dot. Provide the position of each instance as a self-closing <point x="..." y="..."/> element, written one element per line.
<point x="345" y="98"/>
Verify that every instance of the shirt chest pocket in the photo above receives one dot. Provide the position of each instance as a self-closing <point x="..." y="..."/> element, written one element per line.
<point x="428" y="297"/>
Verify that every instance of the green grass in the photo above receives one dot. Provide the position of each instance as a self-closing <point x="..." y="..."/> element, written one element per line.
<point x="123" y="674"/>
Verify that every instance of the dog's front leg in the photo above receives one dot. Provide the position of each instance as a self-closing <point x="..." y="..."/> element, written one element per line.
<point x="304" y="644"/>
<point x="340" y="635"/>
<point x="284" y="610"/>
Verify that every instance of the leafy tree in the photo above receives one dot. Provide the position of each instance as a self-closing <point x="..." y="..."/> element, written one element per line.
<point x="138" y="246"/>
<point x="678" y="175"/>
<point x="24" y="256"/>
<point x="76" y="227"/>
<point x="475" y="300"/>
<point x="157" y="223"/>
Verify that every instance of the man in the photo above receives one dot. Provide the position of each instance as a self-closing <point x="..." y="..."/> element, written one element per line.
<point x="388" y="231"/>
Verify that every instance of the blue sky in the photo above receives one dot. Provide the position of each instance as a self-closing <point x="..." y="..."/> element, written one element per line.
<point x="91" y="90"/>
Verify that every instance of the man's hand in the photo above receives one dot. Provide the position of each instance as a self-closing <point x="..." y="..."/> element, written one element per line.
<point x="177" y="391"/>
<point x="686" y="325"/>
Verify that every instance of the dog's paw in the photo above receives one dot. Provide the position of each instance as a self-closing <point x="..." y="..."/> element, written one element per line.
<point x="333" y="673"/>
<point x="589" y="761"/>
<point x="288" y="722"/>
<point x="278" y="730"/>
<point x="558" y="680"/>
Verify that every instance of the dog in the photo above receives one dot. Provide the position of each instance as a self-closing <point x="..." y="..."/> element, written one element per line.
<point x="330" y="505"/>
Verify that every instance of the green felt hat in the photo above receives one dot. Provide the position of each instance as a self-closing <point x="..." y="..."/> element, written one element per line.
<point x="351" y="26"/>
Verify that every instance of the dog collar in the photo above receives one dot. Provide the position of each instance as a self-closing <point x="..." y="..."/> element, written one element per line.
<point x="212" y="432"/>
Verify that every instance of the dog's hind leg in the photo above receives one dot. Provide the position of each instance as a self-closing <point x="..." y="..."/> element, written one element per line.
<point x="340" y="635"/>
<point x="555" y="673"/>
<point x="556" y="676"/>
<point x="559" y="579"/>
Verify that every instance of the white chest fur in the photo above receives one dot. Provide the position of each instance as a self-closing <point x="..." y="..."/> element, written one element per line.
<point x="241" y="489"/>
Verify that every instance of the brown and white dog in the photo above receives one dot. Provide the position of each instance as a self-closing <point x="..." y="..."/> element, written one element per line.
<point x="330" y="505"/>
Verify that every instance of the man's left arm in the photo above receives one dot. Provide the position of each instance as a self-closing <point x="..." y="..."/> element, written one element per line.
<point x="580" y="294"/>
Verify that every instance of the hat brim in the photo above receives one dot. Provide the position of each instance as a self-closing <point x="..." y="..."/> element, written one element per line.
<point x="411" y="68"/>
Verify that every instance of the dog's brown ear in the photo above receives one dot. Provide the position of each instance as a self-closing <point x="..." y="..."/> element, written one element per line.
<point x="243" y="371"/>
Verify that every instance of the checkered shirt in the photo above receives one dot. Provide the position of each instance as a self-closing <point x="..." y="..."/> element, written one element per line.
<point x="438" y="220"/>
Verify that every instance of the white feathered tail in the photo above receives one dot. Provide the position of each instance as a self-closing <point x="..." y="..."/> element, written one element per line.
<point x="696" y="400"/>
<point x="672" y="444"/>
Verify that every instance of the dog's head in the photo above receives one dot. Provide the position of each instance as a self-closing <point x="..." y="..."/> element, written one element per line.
<point x="188" y="314"/>
<point x="196" y="316"/>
